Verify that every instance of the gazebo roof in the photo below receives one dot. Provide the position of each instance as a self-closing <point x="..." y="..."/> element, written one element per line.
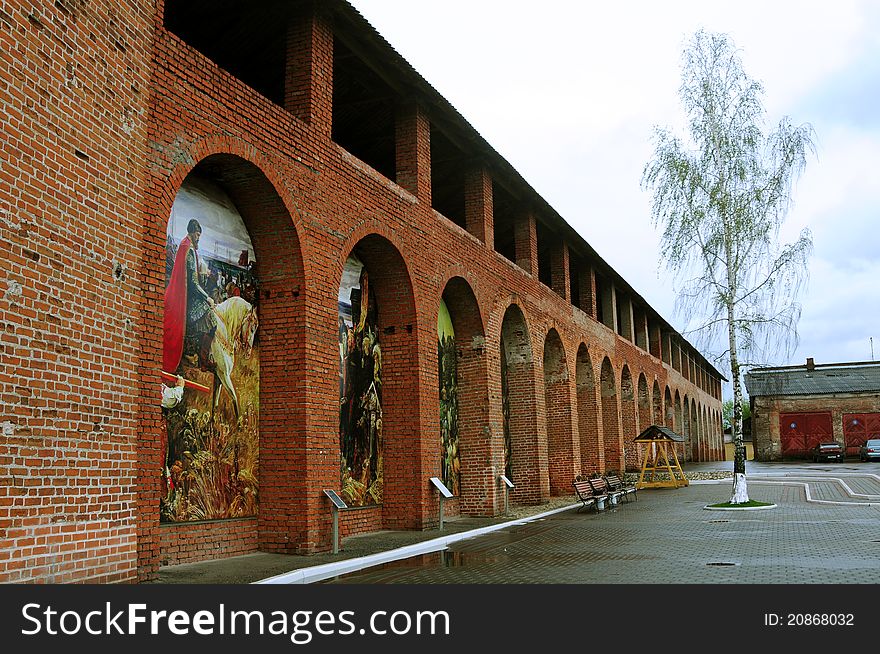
<point x="656" y="433"/>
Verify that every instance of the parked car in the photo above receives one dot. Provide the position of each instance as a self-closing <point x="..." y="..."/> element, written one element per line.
<point x="870" y="451"/>
<point x="827" y="452"/>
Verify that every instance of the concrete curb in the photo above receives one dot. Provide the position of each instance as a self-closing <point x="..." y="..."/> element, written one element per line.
<point x="329" y="570"/>
<point x="805" y="485"/>
<point x="742" y="508"/>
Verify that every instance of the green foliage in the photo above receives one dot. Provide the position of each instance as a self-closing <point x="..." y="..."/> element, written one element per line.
<point x="721" y="198"/>
<point x="727" y="412"/>
<point x="751" y="504"/>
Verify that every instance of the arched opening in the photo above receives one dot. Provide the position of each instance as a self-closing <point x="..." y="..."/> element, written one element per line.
<point x="686" y="430"/>
<point x="706" y="437"/>
<point x="463" y="396"/>
<point x="628" y="419"/>
<point x="378" y="381"/>
<point x="679" y="424"/>
<point x="231" y="368"/>
<point x="701" y="431"/>
<point x="588" y="413"/>
<point x="525" y="454"/>
<point x="561" y="447"/>
<point x="690" y="445"/>
<point x="644" y="421"/>
<point x="657" y="400"/>
<point x="610" y="418"/>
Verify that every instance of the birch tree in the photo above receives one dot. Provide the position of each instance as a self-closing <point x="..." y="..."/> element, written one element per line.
<point x="720" y="198"/>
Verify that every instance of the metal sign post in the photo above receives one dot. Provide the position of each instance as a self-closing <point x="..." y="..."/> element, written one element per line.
<point x="444" y="493"/>
<point x="507" y="486"/>
<point x="336" y="503"/>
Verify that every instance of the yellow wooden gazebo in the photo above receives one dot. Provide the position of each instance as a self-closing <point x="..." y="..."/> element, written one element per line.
<point x="657" y="470"/>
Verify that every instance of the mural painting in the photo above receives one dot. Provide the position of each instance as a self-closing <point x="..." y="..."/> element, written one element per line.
<point x="505" y="413"/>
<point x="210" y="360"/>
<point x="360" y="388"/>
<point x="450" y="462"/>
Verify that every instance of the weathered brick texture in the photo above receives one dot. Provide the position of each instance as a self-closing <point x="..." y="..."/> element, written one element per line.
<point x="105" y="112"/>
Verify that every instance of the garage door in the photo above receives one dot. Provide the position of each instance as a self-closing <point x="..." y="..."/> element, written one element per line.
<point x="857" y="428"/>
<point x="799" y="432"/>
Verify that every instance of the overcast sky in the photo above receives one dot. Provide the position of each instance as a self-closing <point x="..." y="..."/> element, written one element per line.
<point x="569" y="91"/>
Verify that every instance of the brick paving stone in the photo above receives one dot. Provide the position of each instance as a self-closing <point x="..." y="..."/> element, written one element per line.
<point x="666" y="537"/>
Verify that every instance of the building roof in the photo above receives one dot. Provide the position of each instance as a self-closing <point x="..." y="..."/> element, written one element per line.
<point x="810" y="379"/>
<point x="656" y="433"/>
<point x="350" y="24"/>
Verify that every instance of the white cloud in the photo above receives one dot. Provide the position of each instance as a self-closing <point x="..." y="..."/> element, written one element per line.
<point x="569" y="92"/>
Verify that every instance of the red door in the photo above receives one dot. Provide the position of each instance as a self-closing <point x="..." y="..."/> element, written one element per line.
<point x="857" y="428"/>
<point x="799" y="432"/>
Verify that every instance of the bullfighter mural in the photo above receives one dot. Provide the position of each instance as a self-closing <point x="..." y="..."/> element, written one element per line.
<point x="211" y="352"/>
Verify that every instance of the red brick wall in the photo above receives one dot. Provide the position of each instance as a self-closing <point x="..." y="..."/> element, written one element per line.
<point x="99" y="135"/>
<point x="563" y="450"/>
<point x="73" y="106"/>
<point x="766" y="410"/>
<point x="198" y="541"/>
<point x="589" y="424"/>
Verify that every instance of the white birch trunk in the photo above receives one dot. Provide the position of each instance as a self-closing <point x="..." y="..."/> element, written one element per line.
<point x="740" y="492"/>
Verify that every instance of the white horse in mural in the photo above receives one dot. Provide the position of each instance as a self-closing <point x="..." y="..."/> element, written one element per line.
<point x="236" y="327"/>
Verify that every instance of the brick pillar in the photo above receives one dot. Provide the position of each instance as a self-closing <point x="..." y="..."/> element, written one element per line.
<point x="478" y="207"/>
<point x="609" y="307"/>
<point x="308" y="80"/>
<point x="642" y="335"/>
<point x="587" y="287"/>
<point x="559" y="271"/>
<point x="626" y="318"/>
<point x="413" y="151"/>
<point x="525" y="237"/>
<point x="655" y="338"/>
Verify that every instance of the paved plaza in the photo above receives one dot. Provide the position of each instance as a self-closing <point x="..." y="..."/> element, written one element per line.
<point x="825" y="530"/>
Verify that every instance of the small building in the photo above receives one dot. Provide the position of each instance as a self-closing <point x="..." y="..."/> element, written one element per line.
<point x="796" y="407"/>
<point x="730" y="449"/>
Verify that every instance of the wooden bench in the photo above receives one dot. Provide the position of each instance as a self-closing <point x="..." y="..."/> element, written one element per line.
<point x="617" y="485"/>
<point x="585" y="493"/>
<point x="601" y="489"/>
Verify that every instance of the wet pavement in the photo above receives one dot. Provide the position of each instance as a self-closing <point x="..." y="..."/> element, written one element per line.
<point x="825" y="530"/>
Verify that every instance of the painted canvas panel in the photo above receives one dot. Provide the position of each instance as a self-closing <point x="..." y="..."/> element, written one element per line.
<point x="505" y="413"/>
<point x="210" y="360"/>
<point x="450" y="461"/>
<point x="360" y="388"/>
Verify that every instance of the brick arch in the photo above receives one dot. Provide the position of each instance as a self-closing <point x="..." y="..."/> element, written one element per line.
<point x="710" y="430"/>
<point x="690" y="422"/>
<point x="698" y="430"/>
<point x="657" y="404"/>
<point x="672" y="418"/>
<point x="686" y="427"/>
<point x="678" y="413"/>
<point x="644" y="421"/>
<point x="610" y="417"/>
<point x="477" y="478"/>
<point x="561" y="446"/>
<point x="260" y="197"/>
<point x="629" y="428"/>
<point x="592" y="456"/>
<point x="211" y="149"/>
<point x="704" y="435"/>
<point x="391" y="285"/>
<point x="527" y="460"/>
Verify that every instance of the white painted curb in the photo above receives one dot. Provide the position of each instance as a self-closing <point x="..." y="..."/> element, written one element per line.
<point x="742" y="508"/>
<point x="328" y="570"/>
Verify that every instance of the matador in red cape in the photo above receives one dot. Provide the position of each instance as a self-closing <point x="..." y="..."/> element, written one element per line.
<point x="189" y="316"/>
